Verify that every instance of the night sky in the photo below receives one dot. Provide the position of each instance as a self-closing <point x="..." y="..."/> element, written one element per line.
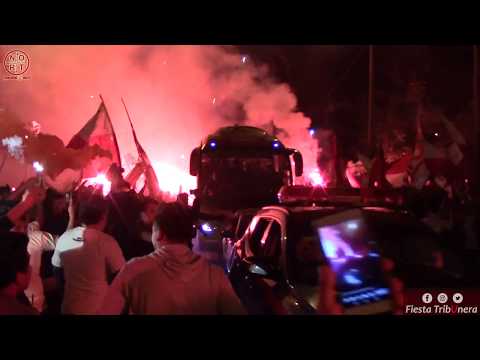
<point x="340" y="73"/>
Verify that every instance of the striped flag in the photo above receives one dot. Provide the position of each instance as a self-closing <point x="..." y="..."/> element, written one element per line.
<point x="150" y="175"/>
<point x="98" y="131"/>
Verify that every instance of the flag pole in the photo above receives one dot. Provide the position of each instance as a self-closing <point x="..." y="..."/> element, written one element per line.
<point x="129" y="119"/>
<point x="113" y="130"/>
<point x="126" y="110"/>
<point x="153" y="188"/>
<point x="131" y="127"/>
<point x="133" y="130"/>
<point x="371" y="79"/>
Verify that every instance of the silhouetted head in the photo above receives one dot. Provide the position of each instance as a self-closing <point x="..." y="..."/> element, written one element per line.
<point x="94" y="212"/>
<point x="173" y="224"/>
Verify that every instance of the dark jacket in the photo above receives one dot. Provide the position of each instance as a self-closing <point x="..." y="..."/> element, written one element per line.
<point x="5" y="223"/>
<point x="124" y="214"/>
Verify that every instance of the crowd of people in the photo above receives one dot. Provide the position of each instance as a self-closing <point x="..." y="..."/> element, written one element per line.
<point x="416" y="151"/>
<point x="85" y="253"/>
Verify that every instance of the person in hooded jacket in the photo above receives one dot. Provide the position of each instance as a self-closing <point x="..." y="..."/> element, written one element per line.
<point x="172" y="280"/>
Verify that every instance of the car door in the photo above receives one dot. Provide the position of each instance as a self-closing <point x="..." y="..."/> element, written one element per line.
<point x="268" y="284"/>
<point x="282" y="296"/>
<point x="239" y="227"/>
<point x="270" y="287"/>
<point x="260" y="269"/>
<point x="240" y="273"/>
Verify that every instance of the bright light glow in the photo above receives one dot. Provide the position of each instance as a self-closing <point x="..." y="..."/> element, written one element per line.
<point x="14" y="146"/>
<point x="244" y="59"/>
<point x="316" y="178"/>
<point x="252" y="225"/>
<point x="382" y="291"/>
<point x="312" y="132"/>
<point x="365" y="296"/>
<point x="352" y="225"/>
<point x="91" y="96"/>
<point x="38" y="167"/>
<point x="336" y="249"/>
<point x="436" y="134"/>
<point x="14" y="189"/>
<point x="102" y="180"/>
<point x="214" y="101"/>
<point x="352" y="279"/>
<point x="207" y="228"/>
<point x="276" y="145"/>
<point x="171" y="178"/>
<point x="333" y="245"/>
<point x="257" y="270"/>
<point x="213" y="144"/>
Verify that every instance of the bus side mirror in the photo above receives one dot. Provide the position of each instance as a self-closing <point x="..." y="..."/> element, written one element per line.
<point x="298" y="159"/>
<point x="195" y="161"/>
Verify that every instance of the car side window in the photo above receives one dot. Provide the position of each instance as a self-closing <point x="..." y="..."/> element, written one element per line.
<point x="243" y="222"/>
<point x="254" y="242"/>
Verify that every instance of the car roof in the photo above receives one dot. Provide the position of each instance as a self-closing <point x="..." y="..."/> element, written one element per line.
<point x="299" y="212"/>
<point x="308" y="208"/>
<point x="247" y="211"/>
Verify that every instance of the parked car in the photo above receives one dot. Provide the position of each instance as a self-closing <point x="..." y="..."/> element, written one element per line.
<point x="273" y="270"/>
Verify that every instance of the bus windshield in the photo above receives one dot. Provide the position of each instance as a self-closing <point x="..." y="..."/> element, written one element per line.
<point x="236" y="182"/>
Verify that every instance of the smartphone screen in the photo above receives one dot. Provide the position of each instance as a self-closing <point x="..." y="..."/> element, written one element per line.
<point x="354" y="257"/>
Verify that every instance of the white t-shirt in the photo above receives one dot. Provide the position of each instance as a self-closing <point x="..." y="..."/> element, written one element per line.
<point x="88" y="257"/>
<point x="38" y="242"/>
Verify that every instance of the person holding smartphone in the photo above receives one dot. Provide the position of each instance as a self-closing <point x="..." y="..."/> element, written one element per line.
<point x="328" y="302"/>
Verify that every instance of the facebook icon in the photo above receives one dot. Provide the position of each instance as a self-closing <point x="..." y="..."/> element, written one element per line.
<point x="427" y="298"/>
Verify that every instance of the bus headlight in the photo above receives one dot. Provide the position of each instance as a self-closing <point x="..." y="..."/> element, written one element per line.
<point x="207" y="229"/>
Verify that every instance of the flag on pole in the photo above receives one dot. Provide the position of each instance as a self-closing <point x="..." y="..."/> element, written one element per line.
<point x="98" y="131"/>
<point x="141" y="151"/>
<point x="151" y="177"/>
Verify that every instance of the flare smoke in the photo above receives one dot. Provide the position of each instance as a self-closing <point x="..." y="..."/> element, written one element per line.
<point x="175" y="94"/>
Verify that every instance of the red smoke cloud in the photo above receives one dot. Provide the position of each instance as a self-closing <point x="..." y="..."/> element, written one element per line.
<point x="169" y="90"/>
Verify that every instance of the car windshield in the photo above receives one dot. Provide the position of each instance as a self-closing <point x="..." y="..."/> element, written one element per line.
<point x="398" y="237"/>
<point x="234" y="182"/>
